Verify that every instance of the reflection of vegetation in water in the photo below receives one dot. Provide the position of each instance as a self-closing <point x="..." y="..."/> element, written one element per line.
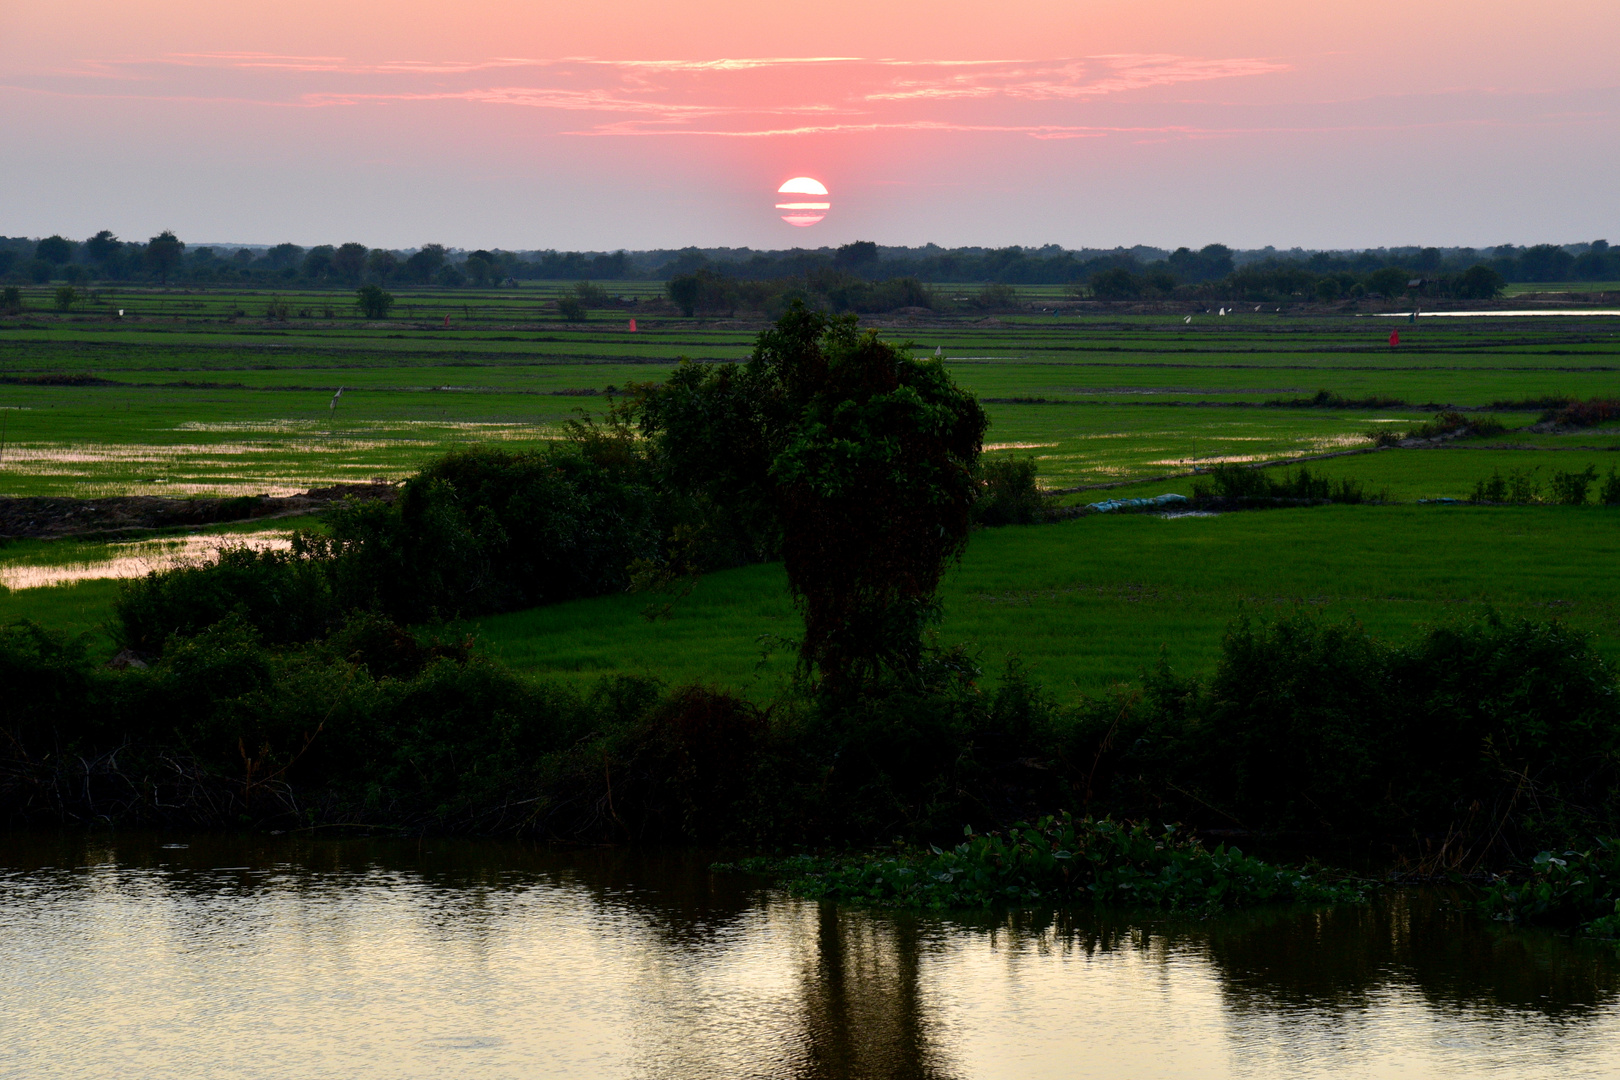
<point x="1424" y="940"/>
<point x="1344" y="958"/>
<point x="717" y="973"/>
<point x="862" y="994"/>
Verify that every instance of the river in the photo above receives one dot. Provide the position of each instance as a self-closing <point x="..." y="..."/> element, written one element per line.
<point x="144" y="956"/>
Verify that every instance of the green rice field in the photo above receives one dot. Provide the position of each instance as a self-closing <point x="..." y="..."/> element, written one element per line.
<point x="203" y="393"/>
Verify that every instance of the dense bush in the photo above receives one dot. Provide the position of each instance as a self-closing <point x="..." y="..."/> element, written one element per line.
<point x="1583" y="413"/>
<point x="491" y="530"/>
<point x="1522" y="487"/>
<point x="1009" y="494"/>
<point x="1609" y="493"/>
<point x="1518" y="487"/>
<point x="1242" y="482"/>
<point x="1569" y="488"/>
<point x="286" y="596"/>
<point x="1481" y="737"/>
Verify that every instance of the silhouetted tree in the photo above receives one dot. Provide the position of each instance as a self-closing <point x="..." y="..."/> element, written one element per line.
<point x="861" y="253"/>
<point x="318" y="261"/>
<point x="862" y="459"/>
<point x="478" y="268"/>
<point x="103" y="247"/>
<point x="382" y="264"/>
<point x="349" y="262"/>
<point x="1390" y="281"/>
<point x="163" y="253"/>
<point x="1116" y="283"/>
<point x="283" y="256"/>
<point x="423" y="264"/>
<point x="55" y="250"/>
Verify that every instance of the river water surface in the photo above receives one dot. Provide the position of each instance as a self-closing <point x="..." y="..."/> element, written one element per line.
<point x="130" y="956"/>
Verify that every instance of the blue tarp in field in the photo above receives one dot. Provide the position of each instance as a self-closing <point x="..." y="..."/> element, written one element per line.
<point x="1110" y="505"/>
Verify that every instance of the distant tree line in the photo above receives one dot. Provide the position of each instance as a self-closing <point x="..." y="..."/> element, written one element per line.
<point x="859" y="276"/>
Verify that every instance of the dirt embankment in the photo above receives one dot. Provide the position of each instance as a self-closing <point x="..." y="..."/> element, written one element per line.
<point x="50" y="517"/>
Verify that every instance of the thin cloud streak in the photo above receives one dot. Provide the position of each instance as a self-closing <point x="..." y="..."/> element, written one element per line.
<point x="1050" y="131"/>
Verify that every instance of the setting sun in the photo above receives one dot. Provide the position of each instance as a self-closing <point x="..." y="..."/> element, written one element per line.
<point x="803" y="214"/>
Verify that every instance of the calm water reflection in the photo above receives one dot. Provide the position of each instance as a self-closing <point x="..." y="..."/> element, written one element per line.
<point x="290" y="959"/>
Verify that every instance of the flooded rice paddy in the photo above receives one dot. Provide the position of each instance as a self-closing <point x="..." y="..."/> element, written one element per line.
<point x="130" y="559"/>
<point x="142" y="955"/>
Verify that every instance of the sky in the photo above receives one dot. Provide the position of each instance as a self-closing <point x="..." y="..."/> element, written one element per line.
<point x="641" y="124"/>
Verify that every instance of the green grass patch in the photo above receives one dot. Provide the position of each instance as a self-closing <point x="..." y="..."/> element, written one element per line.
<point x="1088" y="603"/>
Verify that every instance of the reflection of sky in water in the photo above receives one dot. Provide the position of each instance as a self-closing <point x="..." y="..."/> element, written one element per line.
<point x="137" y="558"/>
<point x="264" y="958"/>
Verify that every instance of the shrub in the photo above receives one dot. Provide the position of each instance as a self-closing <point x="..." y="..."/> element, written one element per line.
<point x="1447" y="423"/>
<point x="65" y="297"/>
<point x="1329" y="399"/>
<point x="1442" y="424"/>
<point x="485" y="530"/>
<point x="1583" y="413"/>
<point x="1008" y="493"/>
<point x="570" y="309"/>
<point x="1569" y="488"/>
<point x="1609" y="493"/>
<point x="47" y="676"/>
<point x="284" y="596"/>
<point x="373" y="301"/>
<point x="1475" y="739"/>
<point x="997" y="298"/>
<point x="1506" y="725"/>
<point x="11" y="301"/>
<point x="1478" y="282"/>
<point x="1289" y="733"/>
<point x="1519" y="487"/>
<point x="1240" y="482"/>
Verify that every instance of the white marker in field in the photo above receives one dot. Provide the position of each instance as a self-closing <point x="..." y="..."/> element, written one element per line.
<point x="331" y="410"/>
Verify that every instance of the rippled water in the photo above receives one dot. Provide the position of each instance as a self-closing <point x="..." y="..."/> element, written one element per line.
<point x="290" y="959"/>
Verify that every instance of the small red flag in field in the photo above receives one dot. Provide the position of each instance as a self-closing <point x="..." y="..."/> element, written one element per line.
<point x="1394" y="337"/>
<point x="632" y="326"/>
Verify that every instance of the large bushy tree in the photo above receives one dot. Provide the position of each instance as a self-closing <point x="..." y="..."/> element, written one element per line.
<point x="854" y="459"/>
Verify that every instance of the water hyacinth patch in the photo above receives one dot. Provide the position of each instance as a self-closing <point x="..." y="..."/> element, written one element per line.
<point x="1564" y="889"/>
<point x="1058" y="860"/>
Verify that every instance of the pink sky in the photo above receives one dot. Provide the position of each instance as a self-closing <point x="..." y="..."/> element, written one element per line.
<point x="638" y="124"/>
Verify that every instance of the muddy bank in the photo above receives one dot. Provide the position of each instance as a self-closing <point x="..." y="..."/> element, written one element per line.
<point x="53" y="517"/>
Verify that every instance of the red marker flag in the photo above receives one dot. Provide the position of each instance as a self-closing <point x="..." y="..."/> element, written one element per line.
<point x="632" y="326"/>
<point x="1394" y="337"/>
